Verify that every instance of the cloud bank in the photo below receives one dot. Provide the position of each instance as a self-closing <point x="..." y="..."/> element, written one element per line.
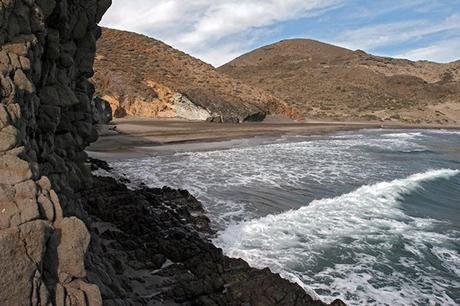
<point x="217" y="31"/>
<point x="213" y="30"/>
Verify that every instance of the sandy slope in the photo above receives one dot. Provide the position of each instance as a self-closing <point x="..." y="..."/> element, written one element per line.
<point x="146" y="136"/>
<point x="325" y="81"/>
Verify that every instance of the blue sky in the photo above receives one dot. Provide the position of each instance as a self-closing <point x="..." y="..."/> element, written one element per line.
<point x="217" y="31"/>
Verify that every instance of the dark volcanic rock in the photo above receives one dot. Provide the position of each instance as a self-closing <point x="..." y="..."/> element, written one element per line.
<point x="102" y="111"/>
<point x="47" y="50"/>
<point x="149" y="247"/>
<point x="146" y="247"/>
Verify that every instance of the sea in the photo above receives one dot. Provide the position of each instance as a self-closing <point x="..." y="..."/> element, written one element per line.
<point x="371" y="217"/>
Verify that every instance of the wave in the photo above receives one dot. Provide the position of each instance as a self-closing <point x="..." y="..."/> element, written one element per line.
<point x="445" y="132"/>
<point x="361" y="247"/>
<point x="403" y="135"/>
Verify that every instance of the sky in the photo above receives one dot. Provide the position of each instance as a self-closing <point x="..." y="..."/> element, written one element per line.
<point x="217" y="31"/>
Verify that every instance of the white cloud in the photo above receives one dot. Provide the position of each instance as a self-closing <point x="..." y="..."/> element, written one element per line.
<point x="202" y="27"/>
<point x="217" y="31"/>
<point x="443" y="52"/>
<point x="380" y="35"/>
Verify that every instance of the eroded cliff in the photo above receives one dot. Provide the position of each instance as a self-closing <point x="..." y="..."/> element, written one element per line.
<point x="47" y="50"/>
<point x="68" y="238"/>
<point x="144" y="77"/>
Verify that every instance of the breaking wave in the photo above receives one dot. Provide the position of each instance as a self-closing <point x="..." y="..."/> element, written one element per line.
<point x="361" y="247"/>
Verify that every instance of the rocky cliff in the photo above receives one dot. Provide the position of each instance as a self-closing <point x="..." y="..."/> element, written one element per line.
<point x="141" y="76"/>
<point x="47" y="49"/>
<point x="68" y="237"/>
<point x="328" y="82"/>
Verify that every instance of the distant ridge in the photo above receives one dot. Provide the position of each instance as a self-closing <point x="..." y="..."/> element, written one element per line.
<point x="141" y="76"/>
<point x="329" y="82"/>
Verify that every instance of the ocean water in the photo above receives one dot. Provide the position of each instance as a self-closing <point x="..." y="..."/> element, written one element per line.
<point x="371" y="217"/>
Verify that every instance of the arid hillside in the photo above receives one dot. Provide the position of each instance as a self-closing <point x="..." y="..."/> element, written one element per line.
<point x="329" y="82"/>
<point x="141" y="76"/>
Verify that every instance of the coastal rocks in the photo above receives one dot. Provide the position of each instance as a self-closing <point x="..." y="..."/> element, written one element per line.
<point x="143" y="77"/>
<point x="188" y="110"/>
<point x="102" y="111"/>
<point x="22" y="250"/>
<point x="162" y="237"/>
<point x="70" y="240"/>
<point x="142" y="247"/>
<point x="13" y="170"/>
<point x="161" y="102"/>
<point x="46" y="53"/>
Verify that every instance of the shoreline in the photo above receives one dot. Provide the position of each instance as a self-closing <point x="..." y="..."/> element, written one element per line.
<point x="216" y="143"/>
<point x="144" y="137"/>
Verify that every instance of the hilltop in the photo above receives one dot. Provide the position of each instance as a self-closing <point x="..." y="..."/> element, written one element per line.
<point x="324" y="81"/>
<point x="141" y="76"/>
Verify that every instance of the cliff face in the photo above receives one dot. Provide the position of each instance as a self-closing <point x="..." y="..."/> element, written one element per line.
<point x="142" y="247"/>
<point x="325" y="81"/>
<point x="141" y="76"/>
<point x="47" y="49"/>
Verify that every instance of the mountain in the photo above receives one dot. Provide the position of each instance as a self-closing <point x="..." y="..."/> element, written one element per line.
<point x="328" y="82"/>
<point x="141" y="76"/>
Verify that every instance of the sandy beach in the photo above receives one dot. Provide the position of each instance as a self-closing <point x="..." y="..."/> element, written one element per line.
<point x="137" y="137"/>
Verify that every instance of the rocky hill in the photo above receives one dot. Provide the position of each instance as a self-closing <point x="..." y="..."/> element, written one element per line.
<point x="68" y="237"/>
<point x="141" y="76"/>
<point x="328" y="82"/>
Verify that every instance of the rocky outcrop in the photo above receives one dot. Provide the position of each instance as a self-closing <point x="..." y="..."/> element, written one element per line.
<point x="323" y="81"/>
<point x="150" y="247"/>
<point x="68" y="240"/>
<point x="102" y="111"/>
<point x="46" y="55"/>
<point x="143" y="77"/>
<point x="164" y="103"/>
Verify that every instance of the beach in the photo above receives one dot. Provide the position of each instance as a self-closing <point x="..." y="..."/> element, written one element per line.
<point x="359" y="214"/>
<point x="137" y="137"/>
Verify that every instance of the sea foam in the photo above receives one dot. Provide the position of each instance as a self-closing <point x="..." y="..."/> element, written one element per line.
<point x="361" y="231"/>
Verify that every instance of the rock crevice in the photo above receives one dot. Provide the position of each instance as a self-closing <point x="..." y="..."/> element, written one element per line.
<point x="46" y="56"/>
<point x="67" y="238"/>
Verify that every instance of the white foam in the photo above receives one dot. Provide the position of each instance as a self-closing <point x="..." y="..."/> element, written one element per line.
<point x="404" y="135"/>
<point x="445" y="132"/>
<point x="336" y="160"/>
<point x="354" y="231"/>
<point x="361" y="227"/>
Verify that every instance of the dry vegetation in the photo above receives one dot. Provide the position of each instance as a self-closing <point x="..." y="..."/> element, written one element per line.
<point x="328" y="82"/>
<point x="127" y="62"/>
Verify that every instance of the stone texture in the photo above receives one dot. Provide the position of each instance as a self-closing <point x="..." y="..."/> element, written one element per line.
<point x="102" y="111"/>
<point x="142" y="77"/>
<point x="157" y="237"/>
<point x="47" y="48"/>
<point x="13" y="170"/>
<point x="22" y="252"/>
<point x="71" y="240"/>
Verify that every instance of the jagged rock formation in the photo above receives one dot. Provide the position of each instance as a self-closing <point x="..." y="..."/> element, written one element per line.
<point x="68" y="240"/>
<point x="327" y="82"/>
<point x="102" y="111"/>
<point x="151" y="249"/>
<point x="46" y="56"/>
<point x="141" y="76"/>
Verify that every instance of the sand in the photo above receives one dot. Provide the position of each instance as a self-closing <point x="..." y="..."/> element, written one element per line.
<point x="137" y="137"/>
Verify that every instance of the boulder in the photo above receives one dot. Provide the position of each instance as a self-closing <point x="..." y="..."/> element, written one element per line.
<point x="22" y="250"/>
<point x="26" y="201"/>
<point x="102" y="111"/>
<point x="22" y="82"/>
<point x="70" y="240"/>
<point x="8" y="138"/>
<point x="13" y="170"/>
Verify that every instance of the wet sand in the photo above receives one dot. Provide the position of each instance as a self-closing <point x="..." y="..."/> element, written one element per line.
<point x="137" y="137"/>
